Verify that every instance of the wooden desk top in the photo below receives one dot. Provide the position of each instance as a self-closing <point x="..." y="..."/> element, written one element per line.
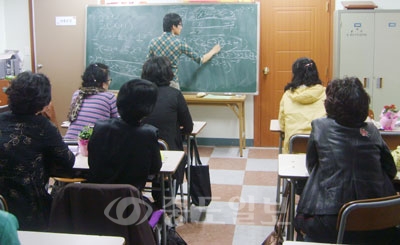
<point x="171" y="160"/>
<point x="292" y="165"/>
<point x="49" y="238"/>
<point x="214" y="99"/>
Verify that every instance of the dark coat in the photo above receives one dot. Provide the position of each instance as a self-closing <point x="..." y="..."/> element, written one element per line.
<point x="345" y="164"/>
<point x="172" y="117"/>
<point x="169" y="115"/>
<point x="120" y="153"/>
<point x="31" y="150"/>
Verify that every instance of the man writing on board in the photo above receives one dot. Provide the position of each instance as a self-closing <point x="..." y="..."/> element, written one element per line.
<point x="168" y="44"/>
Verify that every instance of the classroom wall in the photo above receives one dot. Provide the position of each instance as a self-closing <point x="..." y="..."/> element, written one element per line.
<point x="221" y="121"/>
<point x="14" y="33"/>
<point x="2" y="27"/>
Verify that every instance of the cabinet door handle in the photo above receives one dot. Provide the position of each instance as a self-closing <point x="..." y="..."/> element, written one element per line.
<point x="366" y="82"/>
<point x="379" y="82"/>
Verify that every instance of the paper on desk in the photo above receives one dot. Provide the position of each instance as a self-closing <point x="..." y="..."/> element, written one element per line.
<point x="65" y="124"/>
<point x="213" y="96"/>
<point x="73" y="148"/>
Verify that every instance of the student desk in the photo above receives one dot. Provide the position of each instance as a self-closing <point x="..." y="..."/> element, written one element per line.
<point x="235" y="103"/>
<point x="274" y="127"/>
<point x="292" y="167"/>
<point x="171" y="160"/>
<point x="49" y="238"/>
<point x="197" y="127"/>
<point x="392" y="137"/>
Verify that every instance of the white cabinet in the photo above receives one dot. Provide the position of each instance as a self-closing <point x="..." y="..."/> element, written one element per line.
<point x="367" y="45"/>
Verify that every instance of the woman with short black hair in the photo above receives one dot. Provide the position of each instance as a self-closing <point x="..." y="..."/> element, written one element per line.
<point x="123" y="150"/>
<point x="31" y="148"/>
<point x="347" y="160"/>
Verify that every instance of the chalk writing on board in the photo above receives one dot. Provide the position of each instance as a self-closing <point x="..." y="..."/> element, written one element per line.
<point x="119" y="37"/>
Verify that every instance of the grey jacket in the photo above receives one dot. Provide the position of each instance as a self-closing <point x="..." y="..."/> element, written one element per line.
<point x="345" y="164"/>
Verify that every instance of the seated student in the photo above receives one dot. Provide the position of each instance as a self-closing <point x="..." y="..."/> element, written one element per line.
<point x="347" y="160"/>
<point x="123" y="150"/>
<point x="92" y="101"/>
<point x="31" y="148"/>
<point x="302" y="101"/>
<point x="8" y="229"/>
<point x="171" y="114"/>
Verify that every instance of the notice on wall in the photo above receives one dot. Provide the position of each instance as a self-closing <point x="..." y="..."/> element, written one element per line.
<point x="65" y="20"/>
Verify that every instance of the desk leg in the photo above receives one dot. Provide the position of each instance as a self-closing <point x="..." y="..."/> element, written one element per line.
<point x="172" y="200"/>
<point x="188" y="211"/>
<point x="278" y="185"/>
<point x="281" y="139"/>
<point x="290" y="235"/>
<point x="278" y="189"/>
<point x="238" y="109"/>
<point x="242" y="127"/>
<point x="164" y="225"/>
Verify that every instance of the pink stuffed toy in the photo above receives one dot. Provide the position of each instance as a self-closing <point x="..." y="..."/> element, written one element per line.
<point x="389" y="117"/>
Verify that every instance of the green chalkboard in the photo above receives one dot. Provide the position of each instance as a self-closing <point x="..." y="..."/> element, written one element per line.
<point x="119" y="36"/>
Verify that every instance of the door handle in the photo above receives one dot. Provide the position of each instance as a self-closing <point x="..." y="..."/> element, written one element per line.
<point x="39" y="66"/>
<point x="366" y="82"/>
<point x="266" y="70"/>
<point x="379" y="82"/>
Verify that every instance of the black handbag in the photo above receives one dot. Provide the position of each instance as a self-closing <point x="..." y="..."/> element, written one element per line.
<point x="200" y="185"/>
<point x="173" y="237"/>
<point x="276" y="236"/>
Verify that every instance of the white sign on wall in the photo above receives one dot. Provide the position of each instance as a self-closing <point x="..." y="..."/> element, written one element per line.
<point x="65" y="20"/>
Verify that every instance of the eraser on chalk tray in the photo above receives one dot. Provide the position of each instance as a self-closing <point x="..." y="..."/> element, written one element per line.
<point x="201" y="94"/>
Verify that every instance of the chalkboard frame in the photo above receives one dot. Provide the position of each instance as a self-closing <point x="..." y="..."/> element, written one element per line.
<point x="254" y="85"/>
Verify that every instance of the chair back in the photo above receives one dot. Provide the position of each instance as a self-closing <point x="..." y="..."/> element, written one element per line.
<point x="3" y="204"/>
<point x="102" y="209"/>
<point x="4" y="108"/>
<point x="368" y="214"/>
<point x="163" y="145"/>
<point x="298" y="143"/>
<point x="60" y="182"/>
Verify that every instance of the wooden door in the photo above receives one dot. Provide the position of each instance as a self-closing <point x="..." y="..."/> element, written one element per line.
<point x="289" y="29"/>
<point x="59" y="49"/>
